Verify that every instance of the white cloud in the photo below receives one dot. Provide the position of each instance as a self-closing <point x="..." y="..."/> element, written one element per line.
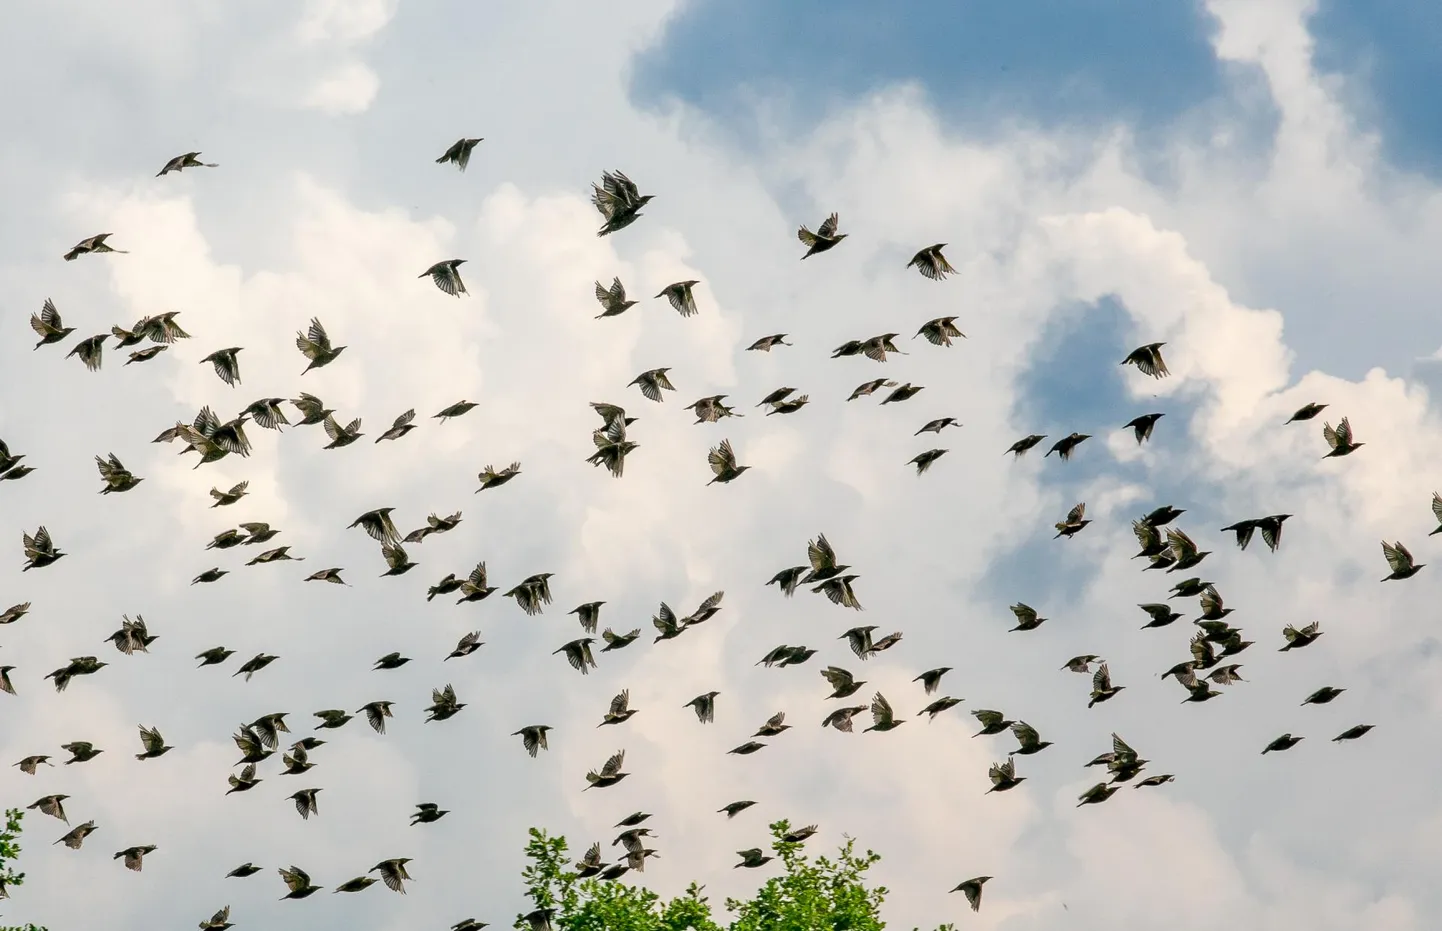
<point x="1231" y="265"/>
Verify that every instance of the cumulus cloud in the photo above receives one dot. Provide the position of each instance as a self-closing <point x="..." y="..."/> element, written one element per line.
<point x="1236" y="262"/>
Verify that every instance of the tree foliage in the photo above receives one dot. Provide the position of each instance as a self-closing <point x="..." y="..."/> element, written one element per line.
<point x="824" y="894"/>
<point x="9" y="853"/>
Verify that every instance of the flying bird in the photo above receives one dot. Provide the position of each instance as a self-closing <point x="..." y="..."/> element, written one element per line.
<point x="823" y="239"/>
<point x="182" y="162"/>
<point x="447" y="276"/>
<point x="459" y="154"/>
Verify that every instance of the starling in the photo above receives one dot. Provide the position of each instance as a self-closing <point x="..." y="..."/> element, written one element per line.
<point x="931" y="263"/>
<point x="533" y="738"/>
<point x="903" y="393"/>
<point x="468" y="644"/>
<point x="972" y="890"/>
<point x="723" y="463"/>
<point x="823" y="239"/>
<point x="1142" y="426"/>
<point x="936" y="426"/>
<point x="459" y="154"/>
<point x="1028" y="740"/>
<point x="305" y="802"/>
<point x="871" y="387"/>
<point x="652" y="383"/>
<point x="1074" y="522"/>
<point x="932" y="678"/>
<point x="298" y="881"/>
<point x="75" y="837"/>
<point x="48" y="325"/>
<point x="1148" y="360"/>
<point x="1102" y="688"/>
<point x="704" y="706"/>
<point x="1322" y="696"/>
<point x="618" y="200"/>
<point x="613" y="299"/>
<point x="1298" y="638"/>
<point x="751" y="858"/>
<point x="843" y="683"/>
<point x="1020" y="447"/>
<point x="1096" y="794"/>
<point x="939" y="332"/>
<point x="1306" y="412"/>
<point x="315" y="346"/>
<point x="610" y="773"/>
<point x="428" y="812"/>
<point x="489" y="477"/>
<point x="455" y="410"/>
<point x="226" y="365"/>
<point x="924" y="460"/>
<point x="154" y="744"/>
<point x="735" y="808"/>
<point x="1400" y="560"/>
<point x="765" y="343"/>
<point x="1067" y="444"/>
<point x="578" y="654"/>
<point x="1081" y="664"/>
<point x="90" y="351"/>
<point x="1352" y="733"/>
<point x="1285" y="742"/>
<point x="91" y="244"/>
<point x="681" y="298"/>
<point x="223" y="498"/>
<point x="1026" y="617"/>
<point x="391" y="661"/>
<point x="182" y="162"/>
<point x="341" y="436"/>
<point x="1340" y="439"/>
<point x="1004" y="777"/>
<point x="447" y="276"/>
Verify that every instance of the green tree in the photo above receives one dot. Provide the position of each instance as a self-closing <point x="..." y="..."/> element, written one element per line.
<point x="9" y="852"/>
<point x="824" y="894"/>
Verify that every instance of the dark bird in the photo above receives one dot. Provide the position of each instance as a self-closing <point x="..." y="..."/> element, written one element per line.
<point x="52" y="805"/>
<point x="298" y="881"/>
<point x="823" y="239"/>
<point x="931" y="263"/>
<point x="427" y="813"/>
<point x="944" y="703"/>
<point x="1028" y="740"/>
<point x="305" y="802"/>
<point x="1285" y="742"/>
<point x="223" y="498"/>
<point x="1161" y="615"/>
<point x="489" y="477"/>
<point x="992" y="722"/>
<point x="939" y="332"/>
<point x="1142" y="426"/>
<point x="765" y="343"/>
<point x="95" y="244"/>
<point x="220" y="921"/>
<point x="618" y="200"/>
<point x="680" y="296"/>
<point x="1148" y="360"/>
<point x="578" y="654"/>
<point x="214" y="656"/>
<point x="153" y="743"/>
<point x="1300" y="637"/>
<point x="1102" y="688"/>
<point x="182" y="162"/>
<point x="924" y="460"/>
<point x="1340" y="439"/>
<point x="391" y="661"/>
<point x="48" y="325"/>
<point x="871" y="387"/>
<point x="399" y="427"/>
<point x="652" y="383"/>
<point x="533" y="738"/>
<point x="145" y="355"/>
<point x="226" y="365"/>
<point x="1322" y="696"/>
<point x="90" y="351"/>
<point x="1074" y="522"/>
<point x="751" y="858"/>
<point x="533" y="594"/>
<point x="615" y="641"/>
<point x="327" y="575"/>
<point x="315" y="346"/>
<point x="468" y="644"/>
<point x="393" y="873"/>
<point x="75" y="837"/>
<point x="722" y="460"/>
<point x="735" y="808"/>
<point x="610" y="772"/>
<point x="1400" y="561"/>
<point x="447" y="276"/>
<point x="972" y="890"/>
<point x="1026" y="617"/>
<point x="613" y="299"/>
<point x="455" y="410"/>
<point x="932" y="678"/>
<point x="1097" y="794"/>
<point x="376" y="713"/>
<point x="748" y="748"/>
<point x="312" y="409"/>
<point x="841" y="718"/>
<point x="1352" y="733"/>
<point x="903" y="393"/>
<point x="1306" y="412"/>
<point x="1067" y="444"/>
<point x="843" y="683"/>
<point x="397" y="561"/>
<point x="443" y="704"/>
<point x="704" y="706"/>
<point x="1020" y="447"/>
<point x="459" y="154"/>
<point x="1004" y="777"/>
<point x="251" y="666"/>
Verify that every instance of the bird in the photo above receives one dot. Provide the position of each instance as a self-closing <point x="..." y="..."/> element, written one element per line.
<point x="90" y="351"/>
<point x="533" y="738"/>
<point x="226" y="365"/>
<point x="1400" y="560"/>
<point x="181" y="162"/>
<point x="578" y="654"/>
<point x="925" y="460"/>
<point x="298" y="882"/>
<point x="766" y="343"/>
<point x="376" y="713"/>
<point x="91" y="244"/>
<point x="393" y="873"/>
<point x="1026" y="617"/>
<point x="751" y="858"/>
<point x="447" y="276"/>
<point x="1352" y="733"/>
<point x="618" y="200"/>
<point x="427" y="813"/>
<point x="723" y="463"/>
<point x="1300" y="637"/>
<point x="681" y="298"/>
<point x="153" y="743"/>
<point x="936" y="426"/>
<point x="971" y="888"/>
<point x="1323" y="695"/>
<point x="490" y="478"/>
<point x="1021" y="446"/>
<point x="613" y="299"/>
<point x="609" y="774"/>
<point x="733" y="809"/>
<point x="1067" y="444"/>
<point x="455" y="410"/>
<point x="652" y="383"/>
<point x="1004" y="777"/>
<point x="1074" y="522"/>
<point x="1306" y="412"/>
<point x="704" y="706"/>
<point x="469" y="643"/>
<point x="305" y="802"/>
<point x="1028" y="740"/>
<point x="327" y="575"/>
<point x="48" y="325"/>
<point x="40" y="550"/>
<point x="1102" y="688"/>
<point x="399" y="427"/>
<point x="1285" y="742"/>
<point x="75" y="837"/>
<point x="1148" y="360"/>
<point x="1161" y="615"/>
<point x="443" y="704"/>
<point x="459" y="154"/>
<point x="620" y="709"/>
<point x="939" y="332"/>
<point x="315" y="346"/>
<point x="1340" y="439"/>
<point x="992" y="722"/>
<point x="826" y="237"/>
<point x="931" y="263"/>
<point x="931" y="679"/>
<point x="1142" y="426"/>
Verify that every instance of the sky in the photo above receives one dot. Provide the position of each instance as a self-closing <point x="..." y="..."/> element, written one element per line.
<point x="1254" y="183"/>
